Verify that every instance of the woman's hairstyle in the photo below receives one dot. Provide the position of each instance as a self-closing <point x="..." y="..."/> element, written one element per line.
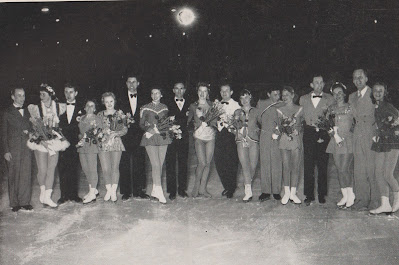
<point x="342" y="86"/>
<point x="107" y="94"/>
<point x="291" y="90"/>
<point x="200" y="84"/>
<point x="95" y="103"/>
<point x="49" y="90"/>
<point x="157" y="88"/>
<point x="246" y="92"/>
<point x="385" y="91"/>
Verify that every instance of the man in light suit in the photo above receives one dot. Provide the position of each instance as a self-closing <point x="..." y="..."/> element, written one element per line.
<point x="15" y="129"/>
<point x="366" y="190"/>
<point x="69" y="163"/>
<point x="133" y="179"/>
<point x="178" y="149"/>
<point x="315" y="140"/>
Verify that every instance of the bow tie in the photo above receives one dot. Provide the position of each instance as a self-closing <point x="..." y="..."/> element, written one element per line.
<point x="73" y="104"/>
<point x="177" y="100"/>
<point x="133" y="95"/>
<point x="18" y="108"/>
<point x="224" y="102"/>
<point x="316" y="96"/>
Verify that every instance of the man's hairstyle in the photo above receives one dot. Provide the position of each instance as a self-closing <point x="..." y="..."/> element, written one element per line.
<point x="71" y="85"/>
<point x="12" y="91"/>
<point x="365" y="71"/>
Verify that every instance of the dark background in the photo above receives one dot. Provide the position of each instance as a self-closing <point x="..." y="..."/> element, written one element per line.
<point x="253" y="44"/>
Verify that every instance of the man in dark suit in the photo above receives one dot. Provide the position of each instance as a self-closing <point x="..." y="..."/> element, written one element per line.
<point x="18" y="156"/>
<point x="68" y="163"/>
<point x="315" y="140"/>
<point x="178" y="107"/>
<point x="133" y="179"/>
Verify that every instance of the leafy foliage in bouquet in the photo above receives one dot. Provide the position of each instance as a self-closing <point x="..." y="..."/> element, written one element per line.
<point x="326" y="121"/>
<point x="119" y="120"/>
<point x="237" y="122"/>
<point x="288" y="127"/>
<point x="43" y="131"/>
<point x="167" y="127"/>
<point x="94" y="135"/>
<point x="214" y="113"/>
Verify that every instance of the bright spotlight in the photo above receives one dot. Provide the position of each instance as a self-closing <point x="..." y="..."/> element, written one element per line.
<point x="45" y="9"/>
<point x="185" y="16"/>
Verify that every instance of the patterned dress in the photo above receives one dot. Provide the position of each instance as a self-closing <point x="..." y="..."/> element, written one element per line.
<point x="108" y="124"/>
<point x="85" y="124"/>
<point x="150" y="115"/>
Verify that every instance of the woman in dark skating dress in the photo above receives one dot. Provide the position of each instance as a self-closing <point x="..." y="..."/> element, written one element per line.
<point x="386" y="146"/>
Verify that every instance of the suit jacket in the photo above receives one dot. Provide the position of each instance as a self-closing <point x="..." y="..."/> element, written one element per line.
<point x="363" y="112"/>
<point x="71" y="130"/>
<point x="181" y="116"/>
<point x="133" y="137"/>
<point x="14" y="138"/>
<point x="310" y="113"/>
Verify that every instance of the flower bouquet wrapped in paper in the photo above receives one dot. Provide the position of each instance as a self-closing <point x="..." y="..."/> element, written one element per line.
<point x="46" y="137"/>
<point x="166" y="127"/>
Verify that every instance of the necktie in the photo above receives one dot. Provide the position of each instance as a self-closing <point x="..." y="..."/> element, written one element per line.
<point x="73" y="104"/>
<point x="177" y="100"/>
<point x="316" y="96"/>
<point x="133" y="95"/>
<point x="224" y="102"/>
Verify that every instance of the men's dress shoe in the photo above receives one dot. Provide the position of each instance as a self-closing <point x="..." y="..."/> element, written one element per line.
<point x="229" y="194"/>
<point x="172" y="196"/>
<point x="16" y="208"/>
<point x="182" y="194"/>
<point x="76" y="199"/>
<point x="141" y="195"/>
<point x="322" y="200"/>
<point x="264" y="197"/>
<point x="125" y="197"/>
<point x="277" y="197"/>
<point x="308" y="201"/>
<point x="224" y="192"/>
<point x="27" y="207"/>
<point x="62" y="200"/>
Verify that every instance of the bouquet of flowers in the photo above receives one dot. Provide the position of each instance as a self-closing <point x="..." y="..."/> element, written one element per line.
<point x="326" y="121"/>
<point x="46" y="137"/>
<point x="119" y="120"/>
<point x="166" y="127"/>
<point x="94" y="135"/>
<point x="214" y="113"/>
<point x="286" y="128"/>
<point x="388" y="128"/>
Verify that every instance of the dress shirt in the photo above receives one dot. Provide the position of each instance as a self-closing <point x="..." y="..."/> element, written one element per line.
<point x="132" y="101"/>
<point x="315" y="100"/>
<point x="180" y="103"/>
<point x="362" y="92"/>
<point x="229" y="112"/>
<point x="20" y="109"/>
<point x="70" y="109"/>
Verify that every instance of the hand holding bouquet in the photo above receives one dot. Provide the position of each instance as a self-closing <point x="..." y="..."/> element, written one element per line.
<point x="46" y="137"/>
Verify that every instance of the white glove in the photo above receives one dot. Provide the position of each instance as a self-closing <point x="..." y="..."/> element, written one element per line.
<point x="275" y="136"/>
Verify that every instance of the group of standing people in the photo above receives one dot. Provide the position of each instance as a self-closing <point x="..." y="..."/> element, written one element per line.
<point x="288" y="140"/>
